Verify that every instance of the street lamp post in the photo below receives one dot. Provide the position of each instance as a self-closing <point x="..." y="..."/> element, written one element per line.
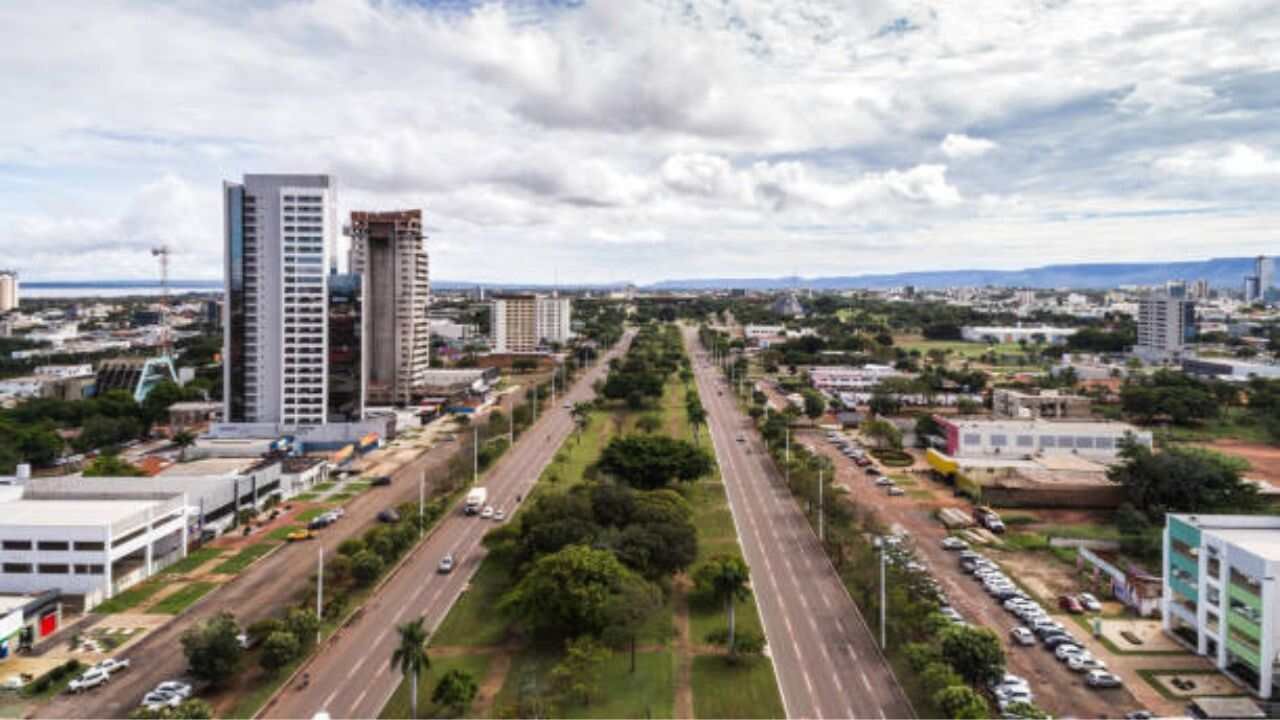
<point x="319" y="588"/>
<point x="821" y="535"/>
<point x="422" y="487"/>
<point x="475" y="454"/>
<point x="883" y="645"/>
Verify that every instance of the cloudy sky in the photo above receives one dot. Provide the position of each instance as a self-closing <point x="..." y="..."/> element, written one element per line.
<point x="651" y="139"/>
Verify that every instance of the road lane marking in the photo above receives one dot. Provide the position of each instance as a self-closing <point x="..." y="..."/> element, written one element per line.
<point x="356" y="668"/>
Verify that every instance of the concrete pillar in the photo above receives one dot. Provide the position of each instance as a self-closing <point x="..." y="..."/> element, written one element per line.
<point x="1267" y="647"/>
<point x="106" y="566"/>
<point x="148" y="552"/>
<point x="1166" y="598"/>
<point x="1202" y="605"/>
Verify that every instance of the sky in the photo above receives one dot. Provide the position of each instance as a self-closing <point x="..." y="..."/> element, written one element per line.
<point x="643" y="140"/>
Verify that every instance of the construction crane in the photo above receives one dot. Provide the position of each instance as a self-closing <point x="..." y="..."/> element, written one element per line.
<point x="162" y="252"/>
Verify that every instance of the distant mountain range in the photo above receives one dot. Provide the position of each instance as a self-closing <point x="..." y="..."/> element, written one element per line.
<point x="1220" y="272"/>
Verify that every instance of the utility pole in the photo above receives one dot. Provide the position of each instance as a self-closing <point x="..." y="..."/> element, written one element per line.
<point x="320" y="589"/>
<point x="821" y="535"/>
<point x="883" y="646"/>
<point x="475" y="454"/>
<point x="787" y="464"/>
<point x="422" y="488"/>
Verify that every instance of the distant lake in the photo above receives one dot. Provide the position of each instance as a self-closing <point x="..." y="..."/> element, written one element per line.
<point x="123" y="288"/>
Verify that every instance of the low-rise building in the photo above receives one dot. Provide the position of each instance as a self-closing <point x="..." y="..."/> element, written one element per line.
<point x="194" y="413"/>
<point x="985" y="437"/>
<point x="1229" y="369"/>
<point x="1007" y="334"/>
<point x="843" y="378"/>
<point x="1220" y="595"/>
<point x="1048" y="404"/>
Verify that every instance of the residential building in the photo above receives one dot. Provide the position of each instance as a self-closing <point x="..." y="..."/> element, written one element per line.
<point x="1199" y="290"/>
<point x="451" y="330"/>
<point x="387" y="250"/>
<point x="8" y="291"/>
<point x="279" y="233"/>
<point x="756" y="332"/>
<point x="981" y="437"/>
<point x="555" y="315"/>
<point x="1220" y="595"/>
<point x="1048" y="404"/>
<point x="1004" y="334"/>
<point x="1165" y="324"/>
<point x="513" y="324"/>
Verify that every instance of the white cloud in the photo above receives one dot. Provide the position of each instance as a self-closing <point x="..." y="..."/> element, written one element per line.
<point x="1236" y="161"/>
<point x="959" y="147"/>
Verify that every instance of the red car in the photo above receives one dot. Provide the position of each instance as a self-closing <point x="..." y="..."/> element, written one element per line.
<point x="1070" y="604"/>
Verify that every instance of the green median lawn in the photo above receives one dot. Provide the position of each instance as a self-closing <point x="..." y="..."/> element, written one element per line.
<point x="474" y="618"/>
<point x="310" y="514"/>
<point x="747" y="690"/>
<point x="245" y="558"/>
<point x="398" y="706"/>
<point x="648" y="692"/>
<point x="183" y="598"/>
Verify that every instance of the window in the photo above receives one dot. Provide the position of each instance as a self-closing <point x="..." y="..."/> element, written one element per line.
<point x="16" y="545"/>
<point x="1048" y="441"/>
<point x="55" y="569"/>
<point x="17" y="568"/>
<point x="1066" y="441"/>
<point x="88" y="569"/>
<point x="1084" y="442"/>
<point x="1026" y="441"/>
<point x="1104" y="443"/>
<point x="53" y="545"/>
<point x="972" y="439"/>
<point x="90" y="546"/>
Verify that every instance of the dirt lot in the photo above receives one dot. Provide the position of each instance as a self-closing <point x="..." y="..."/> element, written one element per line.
<point x="1264" y="459"/>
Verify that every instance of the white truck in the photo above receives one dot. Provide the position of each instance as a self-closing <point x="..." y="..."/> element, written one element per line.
<point x="475" y="500"/>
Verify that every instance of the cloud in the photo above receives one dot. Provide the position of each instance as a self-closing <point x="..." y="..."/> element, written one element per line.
<point x="959" y="147"/>
<point x="1236" y="161"/>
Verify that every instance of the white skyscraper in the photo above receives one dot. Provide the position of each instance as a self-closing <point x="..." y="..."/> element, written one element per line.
<point x="554" y="316"/>
<point x="8" y="290"/>
<point x="279" y="231"/>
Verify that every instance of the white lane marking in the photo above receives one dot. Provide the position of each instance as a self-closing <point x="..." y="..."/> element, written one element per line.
<point x="356" y="668"/>
<point x="329" y="700"/>
<point x="865" y="682"/>
<point x="356" y="705"/>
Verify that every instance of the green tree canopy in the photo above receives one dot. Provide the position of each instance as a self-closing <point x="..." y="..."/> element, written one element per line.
<point x="975" y="653"/>
<point x="1182" y="479"/>
<point x="212" y="649"/>
<point x="568" y="592"/>
<point x="653" y="461"/>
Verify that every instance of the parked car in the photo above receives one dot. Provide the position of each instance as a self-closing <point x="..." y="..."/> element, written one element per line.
<point x="742" y="438"/>
<point x="1022" y="636"/>
<point x="872" y="471"/>
<point x="499" y="515"/>
<point x="884" y="480"/>
<point x="1089" y="602"/>
<point x="446" y="564"/>
<point x="158" y="700"/>
<point x="1066" y="650"/>
<point x="390" y="515"/>
<point x="380" y="481"/>
<point x="1053" y="641"/>
<point x="1070" y="604"/>
<point x="320" y="522"/>
<point x="88" y="680"/>
<point x="895" y="491"/>
<point x="176" y="687"/>
<point x="1102" y="679"/>
<point x="951" y="542"/>
<point x="1083" y="663"/>
<point x="299" y="535"/>
<point x="113" y="665"/>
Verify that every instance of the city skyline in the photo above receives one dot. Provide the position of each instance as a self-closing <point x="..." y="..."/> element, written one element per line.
<point x="891" y="137"/>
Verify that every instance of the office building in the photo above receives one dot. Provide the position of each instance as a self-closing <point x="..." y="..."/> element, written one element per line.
<point x="554" y="317"/>
<point x="387" y="250"/>
<point x="1257" y="287"/>
<point x="1199" y="290"/>
<point x="1165" y="324"/>
<point x="280" y="232"/>
<point x="513" y="324"/>
<point x="348" y="348"/>
<point x="1220" y="595"/>
<point x="8" y="291"/>
<point x="1176" y="289"/>
<point x="971" y="437"/>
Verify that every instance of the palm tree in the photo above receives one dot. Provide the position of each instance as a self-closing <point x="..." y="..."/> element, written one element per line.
<point x="726" y="577"/>
<point x="581" y="416"/>
<point x="410" y="658"/>
<point x="183" y="439"/>
<point x="697" y="417"/>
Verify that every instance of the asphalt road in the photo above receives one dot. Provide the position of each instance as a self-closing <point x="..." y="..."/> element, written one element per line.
<point x="824" y="654"/>
<point x="1057" y="689"/>
<point x="350" y="676"/>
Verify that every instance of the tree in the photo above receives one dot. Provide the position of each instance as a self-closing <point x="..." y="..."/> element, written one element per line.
<point x="455" y="691"/>
<point x="975" y="653"/>
<point x="653" y="461"/>
<point x="581" y="413"/>
<point x="746" y="643"/>
<point x="697" y="416"/>
<point x="213" y="649"/>
<point x="111" y="466"/>
<point x="725" y="578"/>
<point x="304" y="625"/>
<point x="577" y="676"/>
<point x="366" y="567"/>
<point x="1182" y="479"/>
<point x="883" y="433"/>
<point x="568" y="592"/>
<point x="648" y="424"/>
<point x="410" y="658"/>
<point x="961" y="703"/>
<point x="627" y="610"/>
<point x="814" y="404"/>
<point x="183" y="439"/>
<point x="883" y="403"/>
<point x="278" y="650"/>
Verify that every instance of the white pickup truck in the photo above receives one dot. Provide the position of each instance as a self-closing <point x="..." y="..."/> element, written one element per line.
<point x="475" y="500"/>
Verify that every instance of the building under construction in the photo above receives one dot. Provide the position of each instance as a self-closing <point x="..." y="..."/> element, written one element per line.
<point x="387" y="249"/>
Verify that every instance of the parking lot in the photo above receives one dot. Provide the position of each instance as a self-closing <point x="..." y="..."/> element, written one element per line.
<point x="1056" y="688"/>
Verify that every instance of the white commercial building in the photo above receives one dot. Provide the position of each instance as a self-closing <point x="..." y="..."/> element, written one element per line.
<point x="1030" y="333"/>
<point x="8" y="291"/>
<point x="87" y="546"/>
<point x="1220" y="595"/>
<point x="841" y="378"/>
<point x="756" y="332"/>
<point x="970" y="437"/>
<point x="1164" y="325"/>
<point x="523" y="323"/>
<point x="555" y="315"/>
<point x="279" y="231"/>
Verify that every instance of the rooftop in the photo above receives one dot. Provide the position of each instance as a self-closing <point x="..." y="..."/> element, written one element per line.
<point x="72" y="512"/>
<point x="1258" y="534"/>
<point x="209" y="466"/>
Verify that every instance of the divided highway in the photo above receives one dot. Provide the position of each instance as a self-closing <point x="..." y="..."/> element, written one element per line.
<point x="826" y="658"/>
<point x="349" y="674"/>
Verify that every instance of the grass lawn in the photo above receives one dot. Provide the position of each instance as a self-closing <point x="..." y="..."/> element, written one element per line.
<point x="303" y="497"/>
<point x="474" y="619"/>
<point x="721" y="690"/>
<point x="648" y="692"/>
<point x="957" y="347"/>
<point x="245" y="557"/>
<point x="322" y="487"/>
<point x="192" y="561"/>
<point x="342" y="497"/>
<point x="282" y="533"/>
<point x="310" y="514"/>
<point x="183" y="598"/>
<point x="1233" y="423"/>
<point x="398" y="706"/>
<point x="130" y="598"/>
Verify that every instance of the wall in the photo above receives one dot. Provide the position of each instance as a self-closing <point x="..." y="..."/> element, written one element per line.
<point x="1085" y="497"/>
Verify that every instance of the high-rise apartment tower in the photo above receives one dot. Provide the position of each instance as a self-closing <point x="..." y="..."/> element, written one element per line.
<point x="279" y="232"/>
<point x="387" y="250"/>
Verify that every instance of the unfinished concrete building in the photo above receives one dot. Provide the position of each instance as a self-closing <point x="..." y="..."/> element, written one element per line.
<point x="387" y="248"/>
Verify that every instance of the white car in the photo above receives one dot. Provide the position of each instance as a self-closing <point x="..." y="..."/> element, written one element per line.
<point x="112" y="665"/>
<point x="1023" y="636"/>
<point x="1066" y="650"/>
<point x="90" y="679"/>
<point x="1080" y="663"/>
<point x="158" y="700"/>
<point x="175" y="687"/>
<point x="1102" y="679"/>
<point x="1089" y="602"/>
<point x="499" y="515"/>
<point x="954" y="543"/>
<point x="487" y="513"/>
<point x="884" y="480"/>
